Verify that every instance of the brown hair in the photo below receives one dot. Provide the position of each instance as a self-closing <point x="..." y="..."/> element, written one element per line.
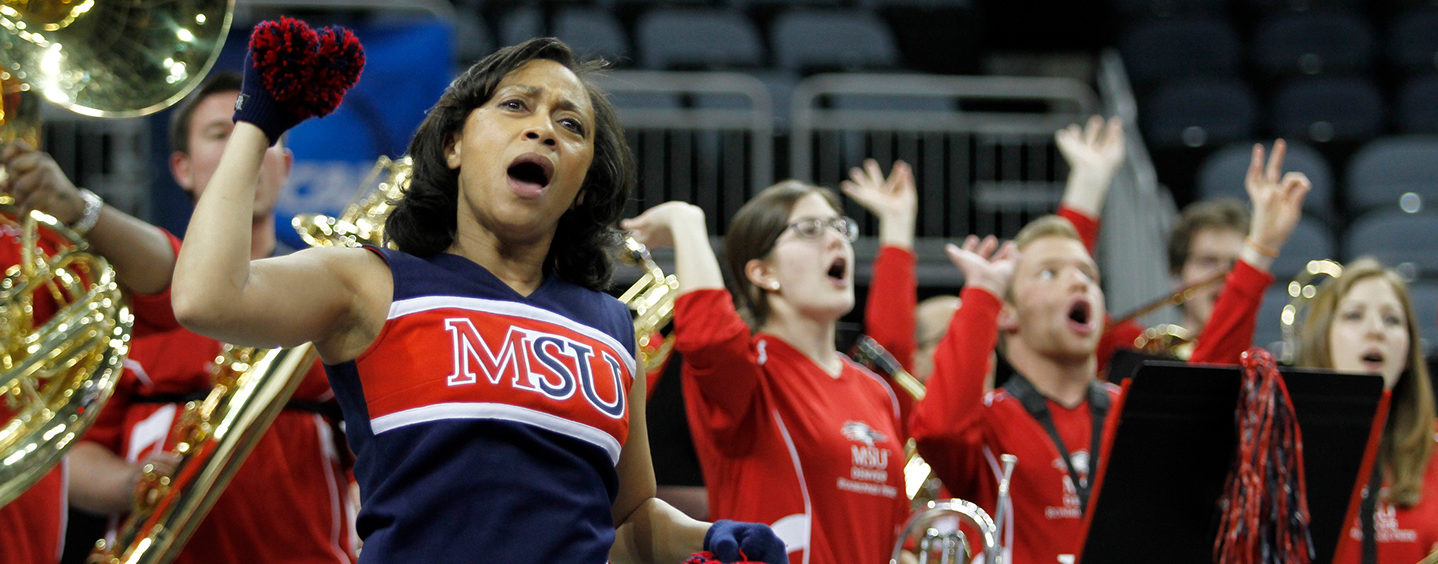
<point x="1408" y="434"/>
<point x="752" y="233"/>
<point x="1223" y="213"/>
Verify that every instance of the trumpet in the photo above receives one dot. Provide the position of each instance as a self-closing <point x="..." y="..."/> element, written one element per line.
<point x="1168" y="338"/>
<point x="1301" y="291"/>
<point x="950" y="546"/>
<point x="922" y="485"/>
<point x="651" y="298"/>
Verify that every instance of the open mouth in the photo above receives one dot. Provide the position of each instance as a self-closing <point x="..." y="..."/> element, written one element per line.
<point x="838" y="269"/>
<point x="1373" y="360"/>
<point x="531" y="169"/>
<point x="1079" y="313"/>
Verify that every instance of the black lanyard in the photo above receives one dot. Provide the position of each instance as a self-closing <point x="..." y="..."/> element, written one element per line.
<point x="1037" y="406"/>
<point x="1366" y="513"/>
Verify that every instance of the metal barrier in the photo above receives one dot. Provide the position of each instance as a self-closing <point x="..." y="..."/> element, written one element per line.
<point x="982" y="147"/>
<point x="1138" y="213"/>
<point x="701" y="137"/>
<point x="109" y="156"/>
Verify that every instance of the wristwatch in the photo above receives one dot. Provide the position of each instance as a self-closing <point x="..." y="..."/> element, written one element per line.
<point x="87" y="220"/>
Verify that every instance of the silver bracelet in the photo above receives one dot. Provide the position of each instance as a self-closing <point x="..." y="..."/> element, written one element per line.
<point x="87" y="220"/>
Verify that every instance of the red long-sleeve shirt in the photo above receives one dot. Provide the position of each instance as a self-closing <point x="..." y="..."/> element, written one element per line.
<point x="961" y="430"/>
<point x="819" y="457"/>
<point x="1404" y="534"/>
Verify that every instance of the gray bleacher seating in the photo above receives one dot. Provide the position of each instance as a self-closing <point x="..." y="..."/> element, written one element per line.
<point x="1413" y="41"/>
<point x="690" y="38"/>
<point x="1142" y="9"/>
<point x="1424" y="295"/>
<point x="1221" y="175"/>
<point x="1311" y="239"/>
<point x="1402" y="240"/>
<point x="1312" y="42"/>
<point x="1398" y="173"/>
<point x="1198" y="113"/>
<point x="1323" y="109"/>
<point x="1164" y="50"/>
<point x="1415" y="111"/>
<point x="591" y="31"/>
<point x="806" y="40"/>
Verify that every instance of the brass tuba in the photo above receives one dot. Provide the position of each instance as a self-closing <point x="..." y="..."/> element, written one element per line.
<point x="251" y="388"/>
<point x="362" y="221"/>
<point x="111" y="58"/>
<point x="1301" y="291"/>
<point x="98" y="58"/>
<point x="56" y="376"/>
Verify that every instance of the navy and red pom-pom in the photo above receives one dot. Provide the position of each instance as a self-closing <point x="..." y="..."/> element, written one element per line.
<point x="306" y="71"/>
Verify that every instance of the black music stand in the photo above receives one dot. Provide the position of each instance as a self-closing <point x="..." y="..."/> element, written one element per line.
<point x="1166" y="460"/>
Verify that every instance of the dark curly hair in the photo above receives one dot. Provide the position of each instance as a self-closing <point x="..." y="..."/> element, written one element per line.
<point x="423" y="221"/>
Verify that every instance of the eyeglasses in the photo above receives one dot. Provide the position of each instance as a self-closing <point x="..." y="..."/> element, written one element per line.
<point x="813" y="227"/>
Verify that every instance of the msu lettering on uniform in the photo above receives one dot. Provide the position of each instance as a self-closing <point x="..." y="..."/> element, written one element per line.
<point x="546" y="363"/>
<point x="509" y="361"/>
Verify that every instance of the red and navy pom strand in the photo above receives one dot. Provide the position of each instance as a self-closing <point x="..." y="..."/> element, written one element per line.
<point x="284" y="53"/>
<point x="1264" y="515"/>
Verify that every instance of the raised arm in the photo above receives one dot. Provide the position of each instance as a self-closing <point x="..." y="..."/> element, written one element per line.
<point x="1093" y="153"/>
<point x="947" y="423"/>
<point x="719" y="359"/>
<point x="681" y="226"/>
<point x="894" y="200"/>
<point x="141" y="253"/>
<point x="320" y="295"/>
<point x="893" y="290"/>
<point x="1277" y="206"/>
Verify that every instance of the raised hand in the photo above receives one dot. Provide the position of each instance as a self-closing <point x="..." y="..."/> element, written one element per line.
<point x="894" y="196"/>
<point x="894" y="200"/>
<point x="985" y="263"/>
<point x="293" y="73"/>
<point x="656" y="226"/>
<point x="1094" y="153"/>
<point x="1277" y="200"/>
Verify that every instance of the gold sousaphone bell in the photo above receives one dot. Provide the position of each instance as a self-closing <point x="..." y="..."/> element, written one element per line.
<point x="53" y="377"/>
<point x="98" y="58"/>
<point x="112" y="58"/>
